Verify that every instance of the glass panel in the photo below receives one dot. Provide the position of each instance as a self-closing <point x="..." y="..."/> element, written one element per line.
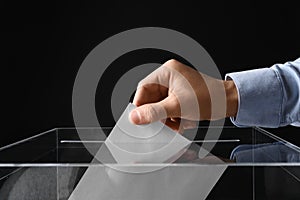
<point x="247" y="163"/>
<point x="41" y="148"/>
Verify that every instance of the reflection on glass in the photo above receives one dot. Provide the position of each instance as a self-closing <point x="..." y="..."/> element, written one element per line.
<point x="266" y="152"/>
<point x="276" y="152"/>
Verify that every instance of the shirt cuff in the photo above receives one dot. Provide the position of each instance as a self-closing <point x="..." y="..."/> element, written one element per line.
<point x="259" y="97"/>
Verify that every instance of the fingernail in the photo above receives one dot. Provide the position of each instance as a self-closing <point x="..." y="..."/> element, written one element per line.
<point x="135" y="117"/>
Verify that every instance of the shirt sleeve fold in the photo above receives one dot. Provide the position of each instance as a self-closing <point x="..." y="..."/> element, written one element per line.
<point x="268" y="97"/>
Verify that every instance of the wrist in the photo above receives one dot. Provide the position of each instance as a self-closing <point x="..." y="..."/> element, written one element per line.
<point x="231" y="98"/>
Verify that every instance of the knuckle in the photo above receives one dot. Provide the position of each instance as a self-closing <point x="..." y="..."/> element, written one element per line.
<point x="141" y="84"/>
<point x="171" y="63"/>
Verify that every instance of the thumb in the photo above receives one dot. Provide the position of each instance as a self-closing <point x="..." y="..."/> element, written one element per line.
<point x="152" y="112"/>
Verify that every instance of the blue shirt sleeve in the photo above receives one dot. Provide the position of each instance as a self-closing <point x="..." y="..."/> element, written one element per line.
<point x="268" y="97"/>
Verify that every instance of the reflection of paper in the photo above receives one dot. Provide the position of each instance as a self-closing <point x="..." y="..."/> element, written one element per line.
<point x="191" y="182"/>
<point x="151" y="143"/>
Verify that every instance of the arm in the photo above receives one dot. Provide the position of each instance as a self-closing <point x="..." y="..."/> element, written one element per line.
<point x="268" y="97"/>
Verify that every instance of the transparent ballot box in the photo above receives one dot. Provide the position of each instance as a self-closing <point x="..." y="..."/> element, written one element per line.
<point x="79" y="164"/>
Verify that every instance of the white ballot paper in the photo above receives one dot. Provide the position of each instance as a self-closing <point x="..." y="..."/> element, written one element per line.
<point x="141" y="166"/>
<point x="152" y="143"/>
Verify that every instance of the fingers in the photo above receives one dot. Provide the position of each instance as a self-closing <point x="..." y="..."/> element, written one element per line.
<point x="152" y="112"/>
<point x="158" y="96"/>
<point x="179" y="125"/>
<point x="174" y="123"/>
<point x="188" y="124"/>
<point x="149" y="94"/>
<point x="147" y="113"/>
<point x="153" y="88"/>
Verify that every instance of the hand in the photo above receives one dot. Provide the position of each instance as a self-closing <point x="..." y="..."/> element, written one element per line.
<point x="178" y="93"/>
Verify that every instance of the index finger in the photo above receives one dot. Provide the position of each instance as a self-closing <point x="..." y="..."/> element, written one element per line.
<point x="152" y="88"/>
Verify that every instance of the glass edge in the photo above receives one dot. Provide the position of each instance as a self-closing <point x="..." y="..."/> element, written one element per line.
<point x="147" y="165"/>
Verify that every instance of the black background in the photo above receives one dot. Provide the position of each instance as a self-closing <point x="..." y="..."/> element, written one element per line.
<point x="43" y="45"/>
